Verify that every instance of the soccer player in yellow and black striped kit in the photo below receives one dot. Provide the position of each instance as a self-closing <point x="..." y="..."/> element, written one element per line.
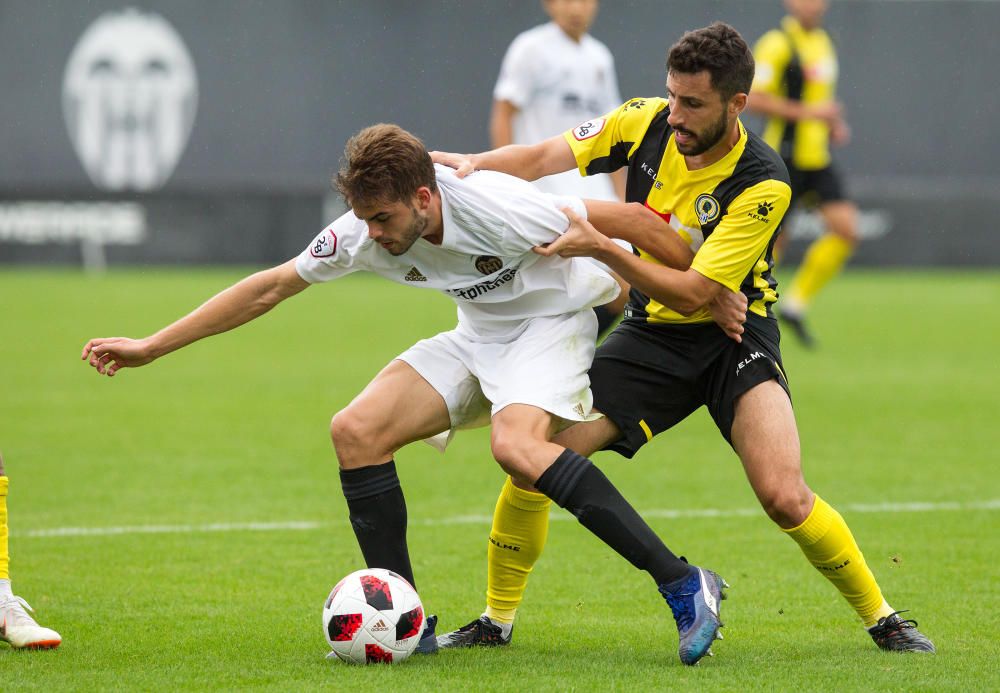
<point x="795" y="88"/>
<point x="689" y="159"/>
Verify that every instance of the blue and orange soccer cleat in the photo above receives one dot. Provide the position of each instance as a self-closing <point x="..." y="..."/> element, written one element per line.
<point x="694" y="601"/>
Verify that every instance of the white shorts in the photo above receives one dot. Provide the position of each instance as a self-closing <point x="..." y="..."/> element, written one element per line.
<point x="545" y="365"/>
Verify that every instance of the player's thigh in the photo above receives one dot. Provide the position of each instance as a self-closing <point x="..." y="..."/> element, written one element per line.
<point x="587" y="437"/>
<point x="841" y="218"/>
<point x="399" y="406"/>
<point x="645" y="381"/>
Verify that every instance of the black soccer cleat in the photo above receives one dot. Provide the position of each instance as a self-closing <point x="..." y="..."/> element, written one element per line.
<point x="797" y="323"/>
<point x="895" y="634"/>
<point x="480" y="633"/>
<point x="428" y="641"/>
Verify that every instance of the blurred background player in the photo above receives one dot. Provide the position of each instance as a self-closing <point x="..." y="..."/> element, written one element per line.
<point x="554" y="77"/>
<point x="795" y="89"/>
<point x="17" y="627"/>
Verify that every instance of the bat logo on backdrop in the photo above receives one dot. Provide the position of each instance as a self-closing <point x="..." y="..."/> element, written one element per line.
<point x="129" y="99"/>
<point x="488" y="264"/>
<point x="325" y="245"/>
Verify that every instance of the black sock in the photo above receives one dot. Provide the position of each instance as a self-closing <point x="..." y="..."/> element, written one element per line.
<point x="605" y="319"/>
<point x="574" y="483"/>
<point x="378" y="516"/>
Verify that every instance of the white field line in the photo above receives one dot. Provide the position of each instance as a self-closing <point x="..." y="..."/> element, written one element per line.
<point x="668" y="514"/>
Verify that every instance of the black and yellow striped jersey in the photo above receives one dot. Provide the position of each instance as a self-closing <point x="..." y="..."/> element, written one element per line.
<point x="728" y="212"/>
<point x="800" y="65"/>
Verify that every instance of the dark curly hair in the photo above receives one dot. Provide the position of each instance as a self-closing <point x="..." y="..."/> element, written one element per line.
<point x="721" y="51"/>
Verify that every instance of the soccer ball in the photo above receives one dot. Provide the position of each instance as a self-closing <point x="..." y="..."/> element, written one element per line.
<point x="373" y="616"/>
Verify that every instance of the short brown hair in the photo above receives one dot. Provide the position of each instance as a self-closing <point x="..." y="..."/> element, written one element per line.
<point x="384" y="163"/>
<point x="721" y="50"/>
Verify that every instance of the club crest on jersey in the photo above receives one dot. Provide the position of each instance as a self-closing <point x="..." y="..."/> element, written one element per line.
<point x="592" y="128"/>
<point x="488" y="264"/>
<point x="325" y="245"/>
<point x="707" y="208"/>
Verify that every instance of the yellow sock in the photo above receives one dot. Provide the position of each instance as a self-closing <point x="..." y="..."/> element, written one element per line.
<point x="823" y="260"/>
<point x="827" y="542"/>
<point x="520" y="528"/>
<point x="4" y="557"/>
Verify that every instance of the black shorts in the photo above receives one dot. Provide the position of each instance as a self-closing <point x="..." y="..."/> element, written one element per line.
<point x="647" y="377"/>
<point x="815" y="187"/>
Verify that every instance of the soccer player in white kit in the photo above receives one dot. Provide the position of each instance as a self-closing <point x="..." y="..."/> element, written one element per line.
<point x="518" y="356"/>
<point x="555" y="77"/>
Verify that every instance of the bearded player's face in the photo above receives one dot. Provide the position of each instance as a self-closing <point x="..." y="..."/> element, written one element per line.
<point x="395" y="226"/>
<point x="698" y="115"/>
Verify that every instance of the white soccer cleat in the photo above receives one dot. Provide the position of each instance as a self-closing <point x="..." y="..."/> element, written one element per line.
<point x="22" y="631"/>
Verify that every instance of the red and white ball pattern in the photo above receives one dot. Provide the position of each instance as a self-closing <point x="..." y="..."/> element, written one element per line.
<point x="373" y="616"/>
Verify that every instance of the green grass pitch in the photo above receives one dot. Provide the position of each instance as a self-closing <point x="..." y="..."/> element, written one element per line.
<point x="897" y="414"/>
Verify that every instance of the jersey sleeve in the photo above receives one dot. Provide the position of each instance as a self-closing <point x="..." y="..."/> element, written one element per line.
<point x="605" y="144"/>
<point x="771" y="55"/>
<point x="516" y="80"/>
<point x="741" y="237"/>
<point x="335" y="252"/>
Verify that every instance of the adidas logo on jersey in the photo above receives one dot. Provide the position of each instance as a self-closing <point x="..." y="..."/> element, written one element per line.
<point x="414" y="276"/>
<point x="380" y="627"/>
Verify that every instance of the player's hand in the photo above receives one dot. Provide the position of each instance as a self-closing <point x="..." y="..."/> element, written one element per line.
<point x="108" y="355"/>
<point x="462" y="163"/>
<point x="840" y="132"/>
<point x="581" y="239"/>
<point x="729" y="311"/>
<point x="830" y="111"/>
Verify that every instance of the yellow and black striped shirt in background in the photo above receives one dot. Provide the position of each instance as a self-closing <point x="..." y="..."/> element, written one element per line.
<point x="728" y="212"/>
<point x="800" y="65"/>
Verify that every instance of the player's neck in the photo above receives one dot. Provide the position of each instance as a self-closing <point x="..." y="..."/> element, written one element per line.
<point x="572" y="36"/>
<point x="717" y="152"/>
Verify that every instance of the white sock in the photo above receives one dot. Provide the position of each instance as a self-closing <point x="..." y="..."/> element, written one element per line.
<point x="505" y="628"/>
<point x="5" y="589"/>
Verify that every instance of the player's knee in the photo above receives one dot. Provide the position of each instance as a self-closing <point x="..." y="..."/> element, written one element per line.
<point x="349" y="430"/>
<point x="512" y="454"/>
<point x="787" y="505"/>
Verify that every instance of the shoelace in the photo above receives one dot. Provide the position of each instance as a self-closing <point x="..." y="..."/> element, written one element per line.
<point x="888" y="625"/>
<point x="681" y="606"/>
<point x="18" y="607"/>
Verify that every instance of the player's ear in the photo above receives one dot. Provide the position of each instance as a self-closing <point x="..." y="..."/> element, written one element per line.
<point x="737" y="103"/>
<point x="423" y="198"/>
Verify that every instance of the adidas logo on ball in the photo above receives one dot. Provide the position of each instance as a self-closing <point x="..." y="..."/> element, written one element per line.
<point x="380" y="626"/>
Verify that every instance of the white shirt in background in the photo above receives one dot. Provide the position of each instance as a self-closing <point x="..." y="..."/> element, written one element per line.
<point x="557" y="83"/>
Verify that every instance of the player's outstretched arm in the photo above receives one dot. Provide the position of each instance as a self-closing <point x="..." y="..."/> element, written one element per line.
<point x="683" y="291"/>
<point x="634" y="223"/>
<point x="527" y="161"/>
<point x="240" y="303"/>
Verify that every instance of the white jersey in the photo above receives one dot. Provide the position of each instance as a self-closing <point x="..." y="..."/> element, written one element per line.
<point x="484" y="262"/>
<point x="556" y="84"/>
